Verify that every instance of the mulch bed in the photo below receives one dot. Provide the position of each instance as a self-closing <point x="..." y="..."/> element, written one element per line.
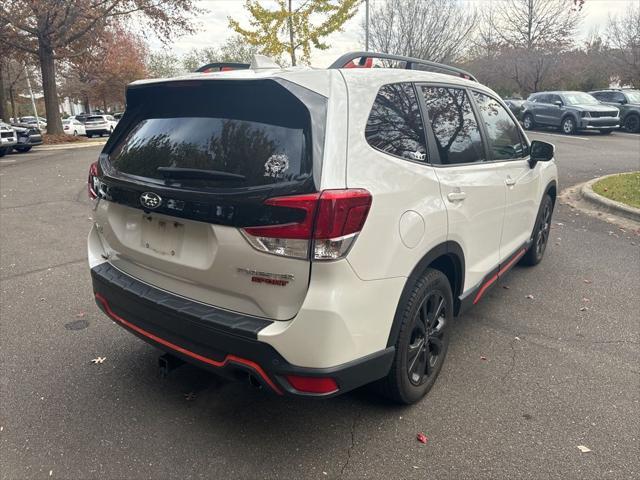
<point x="57" y="139"/>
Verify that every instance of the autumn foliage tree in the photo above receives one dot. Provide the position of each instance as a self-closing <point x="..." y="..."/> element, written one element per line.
<point x="101" y="74"/>
<point x="60" y="29"/>
<point x="294" y="26"/>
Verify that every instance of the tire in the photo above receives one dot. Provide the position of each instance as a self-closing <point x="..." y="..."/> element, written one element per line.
<point x="540" y="235"/>
<point x="3" y="151"/>
<point x="409" y="380"/>
<point x="528" y="122"/>
<point x="89" y="135"/>
<point x="632" y="123"/>
<point x="23" y="149"/>
<point x="75" y="133"/>
<point x="568" y="126"/>
<point x="606" y="132"/>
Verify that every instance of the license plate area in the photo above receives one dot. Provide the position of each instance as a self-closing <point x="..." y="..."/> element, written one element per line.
<point x="163" y="237"/>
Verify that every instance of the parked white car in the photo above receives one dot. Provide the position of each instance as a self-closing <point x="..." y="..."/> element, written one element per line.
<point x="74" y="127"/>
<point x="314" y="230"/>
<point x="8" y="138"/>
<point x="99" y="125"/>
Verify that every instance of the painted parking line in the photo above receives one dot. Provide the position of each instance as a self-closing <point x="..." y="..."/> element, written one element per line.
<point x="2" y="162"/>
<point x="561" y="136"/>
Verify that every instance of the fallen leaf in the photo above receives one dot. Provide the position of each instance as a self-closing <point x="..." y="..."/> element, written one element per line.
<point x="506" y="287"/>
<point x="80" y="315"/>
<point x="586" y="281"/>
<point x="189" y="396"/>
<point x="50" y="473"/>
<point x="530" y="297"/>
<point x="482" y="357"/>
<point x="585" y="300"/>
<point x="422" y="438"/>
<point x="99" y="360"/>
<point x="517" y="338"/>
<point x="560" y="224"/>
<point x="584" y="309"/>
<point x="584" y="449"/>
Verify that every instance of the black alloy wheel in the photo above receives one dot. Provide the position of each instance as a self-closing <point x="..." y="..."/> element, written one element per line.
<point x="424" y="315"/>
<point x="632" y="123"/>
<point x="425" y="349"/>
<point x="541" y="232"/>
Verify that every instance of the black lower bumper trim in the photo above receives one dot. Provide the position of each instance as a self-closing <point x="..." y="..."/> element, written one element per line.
<point x="169" y="322"/>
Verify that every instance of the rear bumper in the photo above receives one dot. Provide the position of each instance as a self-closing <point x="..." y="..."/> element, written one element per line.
<point x="224" y="342"/>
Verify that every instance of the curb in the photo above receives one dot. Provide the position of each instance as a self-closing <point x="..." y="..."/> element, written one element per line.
<point x="51" y="148"/>
<point x="611" y="206"/>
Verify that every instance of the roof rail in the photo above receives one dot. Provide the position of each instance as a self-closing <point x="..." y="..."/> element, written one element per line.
<point x="222" y="67"/>
<point x="347" y="61"/>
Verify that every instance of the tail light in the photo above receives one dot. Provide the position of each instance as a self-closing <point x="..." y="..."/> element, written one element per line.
<point x="331" y="222"/>
<point x="91" y="181"/>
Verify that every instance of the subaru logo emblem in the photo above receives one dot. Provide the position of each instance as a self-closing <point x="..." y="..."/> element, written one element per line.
<point x="150" y="200"/>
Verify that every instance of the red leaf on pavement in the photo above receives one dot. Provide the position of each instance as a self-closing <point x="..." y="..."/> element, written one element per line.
<point x="422" y="438"/>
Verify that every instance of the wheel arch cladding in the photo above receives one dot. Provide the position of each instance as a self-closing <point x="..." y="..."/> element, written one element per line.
<point x="447" y="257"/>
<point x="552" y="191"/>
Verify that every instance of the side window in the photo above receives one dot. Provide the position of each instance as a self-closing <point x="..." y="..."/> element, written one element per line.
<point x="503" y="134"/>
<point x="617" y="97"/>
<point x="395" y="125"/>
<point x="454" y="125"/>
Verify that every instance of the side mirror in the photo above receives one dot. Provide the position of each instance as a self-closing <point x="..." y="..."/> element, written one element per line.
<point x="541" y="152"/>
<point x="623" y="101"/>
<point x="558" y="103"/>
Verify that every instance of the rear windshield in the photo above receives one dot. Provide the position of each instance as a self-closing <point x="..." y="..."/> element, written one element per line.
<point x="257" y="131"/>
<point x="93" y="119"/>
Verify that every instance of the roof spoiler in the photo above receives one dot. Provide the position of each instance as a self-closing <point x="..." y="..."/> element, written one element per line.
<point x="365" y="60"/>
<point x="222" y="67"/>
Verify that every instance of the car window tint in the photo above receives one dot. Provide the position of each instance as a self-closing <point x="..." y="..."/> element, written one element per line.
<point x="395" y="124"/>
<point x="617" y="97"/>
<point x="503" y="134"/>
<point x="454" y="125"/>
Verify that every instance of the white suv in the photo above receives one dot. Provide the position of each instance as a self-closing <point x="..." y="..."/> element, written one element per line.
<point x="314" y="230"/>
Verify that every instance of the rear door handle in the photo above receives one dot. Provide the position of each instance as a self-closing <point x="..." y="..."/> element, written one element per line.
<point x="456" y="196"/>
<point x="510" y="181"/>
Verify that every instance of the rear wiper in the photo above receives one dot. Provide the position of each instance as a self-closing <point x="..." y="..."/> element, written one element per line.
<point x="177" y="173"/>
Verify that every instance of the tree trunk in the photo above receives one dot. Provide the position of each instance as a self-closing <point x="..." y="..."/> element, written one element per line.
<point x="292" y="49"/>
<point x="86" y="105"/>
<point x="50" y="89"/>
<point x="3" y="99"/>
<point x="13" y="104"/>
<point x="104" y="104"/>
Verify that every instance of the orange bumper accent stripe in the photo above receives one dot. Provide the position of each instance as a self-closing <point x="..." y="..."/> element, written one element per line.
<point x="229" y="358"/>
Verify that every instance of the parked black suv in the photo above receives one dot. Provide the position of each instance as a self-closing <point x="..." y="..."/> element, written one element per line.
<point x="628" y="101"/>
<point x="569" y="111"/>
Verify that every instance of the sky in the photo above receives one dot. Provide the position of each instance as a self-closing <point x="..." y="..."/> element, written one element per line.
<point x="214" y="28"/>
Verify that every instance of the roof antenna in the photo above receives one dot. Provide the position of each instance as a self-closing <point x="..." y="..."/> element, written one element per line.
<point x="261" y="62"/>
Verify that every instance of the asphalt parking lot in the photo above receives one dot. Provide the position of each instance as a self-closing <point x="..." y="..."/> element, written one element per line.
<point x="527" y="380"/>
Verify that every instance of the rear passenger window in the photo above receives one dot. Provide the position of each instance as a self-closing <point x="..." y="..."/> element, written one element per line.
<point x="454" y="125"/>
<point x="504" y="137"/>
<point x="395" y="125"/>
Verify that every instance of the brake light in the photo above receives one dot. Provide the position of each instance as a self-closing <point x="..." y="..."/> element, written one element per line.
<point x="317" y="385"/>
<point x="331" y="222"/>
<point x="91" y="181"/>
